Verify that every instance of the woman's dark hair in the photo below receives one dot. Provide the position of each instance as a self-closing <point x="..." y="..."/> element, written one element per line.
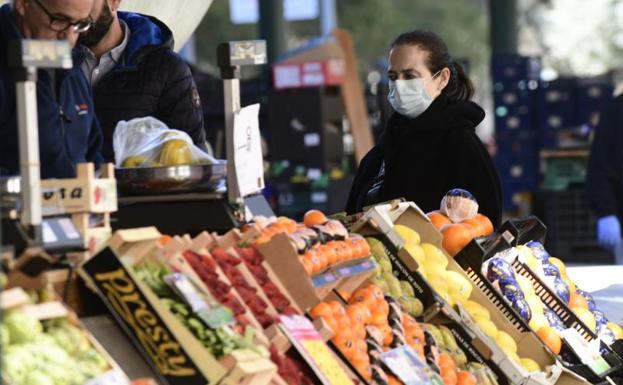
<point x="459" y="87"/>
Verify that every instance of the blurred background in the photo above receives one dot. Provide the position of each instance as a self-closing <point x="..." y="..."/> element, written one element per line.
<point x="543" y="69"/>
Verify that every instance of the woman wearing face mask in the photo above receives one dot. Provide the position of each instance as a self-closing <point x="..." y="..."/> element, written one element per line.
<point x="430" y="144"/>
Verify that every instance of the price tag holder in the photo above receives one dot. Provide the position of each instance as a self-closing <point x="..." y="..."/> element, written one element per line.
<point x="408" y="367"/>
<point x="306" y="339"/>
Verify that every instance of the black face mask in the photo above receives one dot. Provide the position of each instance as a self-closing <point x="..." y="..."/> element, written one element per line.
<point x="100" y="28"/>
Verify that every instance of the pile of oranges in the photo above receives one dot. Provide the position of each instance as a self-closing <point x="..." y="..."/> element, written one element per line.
<point x="450" y="374"/>
<point x="363" y="325"/>
<point x="321" y="256"/>
<point x="457" y="235"/>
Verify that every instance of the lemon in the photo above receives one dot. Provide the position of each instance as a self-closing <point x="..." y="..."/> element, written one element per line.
<point x="525" y="285"/>
<point x="616" y="329"/>
<point x="175" y="152"/>
<point x="506" y="342"/>
<point x="538" y="321"/>
<point x="586" y="317"/>
<point x="559" y="264"/>
<point x="530" y="365"/>
<point x="487" y="326"/>
<point x="457" y="283"/>
<point x="407" y="234"/>
<point x="434" y="254"/>
<point x="416" y="252"/>
<point x="476" y="309"/>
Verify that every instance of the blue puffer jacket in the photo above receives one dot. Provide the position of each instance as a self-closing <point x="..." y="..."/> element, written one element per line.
<point x="68" y="130"/>
<point x="149" y="80"/>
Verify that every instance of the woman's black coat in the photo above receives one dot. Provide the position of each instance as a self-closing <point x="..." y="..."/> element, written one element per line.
<point x="429" y="155"/>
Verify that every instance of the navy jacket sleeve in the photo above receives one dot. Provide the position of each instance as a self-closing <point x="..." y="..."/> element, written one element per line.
<point x="605" y="168"/>
<point x="180" y="105"/>
<point x="95" y="143"/>
<point x="475" y="172"/>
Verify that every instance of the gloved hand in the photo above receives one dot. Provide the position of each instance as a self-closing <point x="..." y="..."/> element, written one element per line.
<point x="609" y="232"/>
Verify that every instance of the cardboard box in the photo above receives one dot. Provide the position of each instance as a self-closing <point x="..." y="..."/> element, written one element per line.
<point x="169" y="347"/>
<point x="64" y="196"/>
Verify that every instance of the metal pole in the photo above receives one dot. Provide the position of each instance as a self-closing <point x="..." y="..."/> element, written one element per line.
<point x="272" y="28"/>
<point x="231" y="90"/>
<point x="328" y="17"/>
<point x="29" y="150"/>
<point x="504" y="30"/>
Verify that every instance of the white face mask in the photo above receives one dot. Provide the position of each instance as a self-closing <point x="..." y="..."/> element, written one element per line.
<point x="409" y="97"/>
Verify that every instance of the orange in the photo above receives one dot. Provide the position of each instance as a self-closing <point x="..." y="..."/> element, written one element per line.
<point x="360" y="345"/>
<point x="329" y="254"/>
<point x="485" y="224"/>
<point x="391" y="380"/>
<point x="377" y="292"/>
<point x="358" y="313"/>
<point x="337" y="308"/>
<point x="363" y="368"/>
<point x="438" y="219"/>
<point x="345" y="250"/>
<point x="474" y="226"/>
<point x="379" y="319"/>
<point x="364" y="295"/>
<point x="446" y="361"/>
<point x="465" y="378"/>
<point x="359" y="330"/>
<point x="388" y="334"/>
<point x="331" y="323"/>
<point x="343" y="322"/>
<point x="449" y="377"/>
<point x="550" y="338"/>
<point x="307" y="265"/>
<point x="164" y="239"/>
<point x="382" y="307"/>
<point x="321" y="310"/>
<point x="576" y="300"/>
<point x="455" y="238"/>
<point x="345" y="344"/>
<point x="314" y="217"/>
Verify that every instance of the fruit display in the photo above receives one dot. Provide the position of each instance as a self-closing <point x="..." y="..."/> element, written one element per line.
<point x="385" y="279"/>
<point x="219" y="341"/>
<point x="459" y="221"/>
<point x="170" y="148"/>
<point x="552" y="272"/>
<point x="321" y="243"/>
<point x="49" y="352"/>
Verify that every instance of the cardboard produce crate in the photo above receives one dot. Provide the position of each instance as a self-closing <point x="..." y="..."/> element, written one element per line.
<point x="165" y="342"/>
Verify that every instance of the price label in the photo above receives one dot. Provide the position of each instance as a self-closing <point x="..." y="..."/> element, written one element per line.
<point x="304" y="337"/>
<point x="323" y="279"/>
<point x="407" y="365"/>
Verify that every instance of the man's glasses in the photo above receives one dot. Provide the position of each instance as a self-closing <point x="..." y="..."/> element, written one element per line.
<point x="61" y="24"/>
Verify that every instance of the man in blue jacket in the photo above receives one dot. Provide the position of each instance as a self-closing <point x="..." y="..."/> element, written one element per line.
<point x="135" y="73"/>
<point x="68" y="130"/>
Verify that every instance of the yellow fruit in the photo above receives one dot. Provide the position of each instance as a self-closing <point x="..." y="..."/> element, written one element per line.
<point x="407" y="234"/>
<point x="586" y="317"/>
<point x="525" y="285"/>
<point x="440" y="285"/>
<point x="176" y="152"/>
<point x="506" y="342"/>
<point x="416" y="252"/>
<point x="487" y="326"/>
<point x="513" y="356"/>
<point x="434" y="270"/>
<point x="569" y="282"/>
<point x="526" y="255"/>
<point x="538" y="321"/>
<point x="423" y="272"/>
<point x="530" y="365"/>
<point x="535" y="304"/>
<point x="433" y="253"/>
<point x="476" y="309"/>
<point x="616" y="329"/>
<point x="559" y="264"/>
<point x="133" y="161"/>
<point x="457" y="283"/>
<point x="456" y="298"/>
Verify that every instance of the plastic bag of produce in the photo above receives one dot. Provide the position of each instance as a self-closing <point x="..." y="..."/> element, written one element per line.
<point x="148" y="142"/>
<point x="459" y="205"/>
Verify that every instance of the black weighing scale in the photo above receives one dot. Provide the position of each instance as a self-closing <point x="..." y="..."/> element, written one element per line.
<point x="191" y="199"/>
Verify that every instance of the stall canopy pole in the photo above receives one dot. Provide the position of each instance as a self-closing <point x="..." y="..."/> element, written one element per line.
<point x="272" y="27"/>
<point x="503" y="27"/>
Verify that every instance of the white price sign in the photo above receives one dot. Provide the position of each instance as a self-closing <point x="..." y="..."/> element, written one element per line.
<point x="248" y="159"/>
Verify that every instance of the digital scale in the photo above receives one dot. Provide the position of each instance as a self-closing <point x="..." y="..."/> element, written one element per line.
<point x="24" y="231"/>
<point x="220" y="209"/>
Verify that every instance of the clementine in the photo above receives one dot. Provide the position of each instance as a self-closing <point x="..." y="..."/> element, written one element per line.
<point x="576" y="300"/>
<point x="438" y="219"/>
<point x="314" y="218"/>
<point x="455" y="238"/>
<point x="550" y="338"/>
<point x="485" y="224"/>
